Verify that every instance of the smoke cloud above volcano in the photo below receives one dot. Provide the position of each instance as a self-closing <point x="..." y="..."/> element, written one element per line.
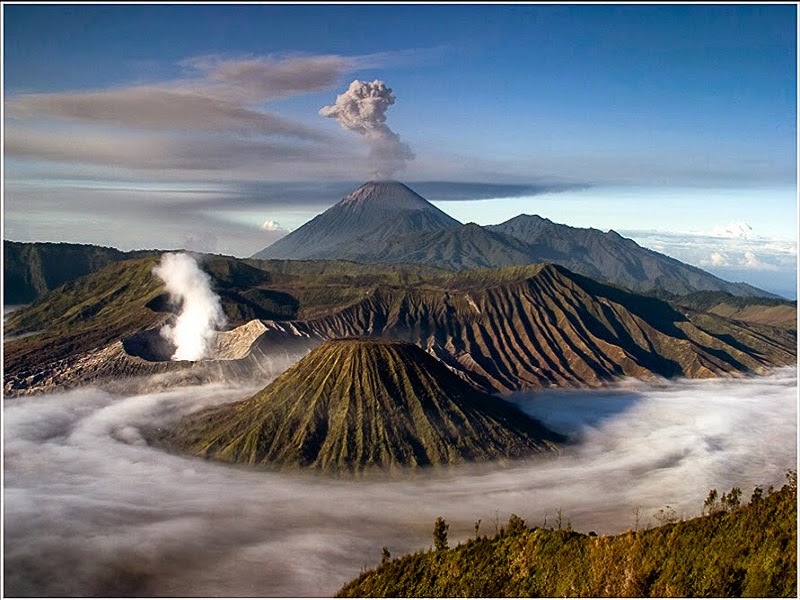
<point x="91" y="509"/>
<point x="201" y="313"/>
<point x="362" y="108"/>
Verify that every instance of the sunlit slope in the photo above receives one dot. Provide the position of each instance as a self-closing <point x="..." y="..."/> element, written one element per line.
<point x="74" y="334"/>
<point x="355" y="404"/>
<point x="527" y="327"/>
<point x="751" y="551"/>
<point x="501" y="329"/>
<point x="776" y="312"/>
<point x="84" y="314"/>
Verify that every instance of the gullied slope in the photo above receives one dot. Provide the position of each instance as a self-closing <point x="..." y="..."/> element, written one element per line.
<point x="370" y="214"/>
<point x="357" y="404"/>
<point x="500" y="329"/>
<point x="528" y="327"/>
<point x="751" y="551"/>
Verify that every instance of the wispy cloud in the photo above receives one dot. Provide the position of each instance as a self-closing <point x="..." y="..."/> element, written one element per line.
<point x="265" y="78"/>
<point x="213" y="117"/>
<point x="220" y="96"/>
<point x="471" y="190"/>
<point x="738" y="229"/>
<point x="158" y="108"/>
<point x="733" y="251"/>
<point x="161" y="151"/>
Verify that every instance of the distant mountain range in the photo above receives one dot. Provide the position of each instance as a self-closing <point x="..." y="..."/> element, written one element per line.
<point x="386" y="222"/>
<point x="566" y="322"/>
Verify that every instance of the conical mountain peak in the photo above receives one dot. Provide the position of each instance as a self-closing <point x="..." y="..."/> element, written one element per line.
<point x="388" y="194"/>
<point x="357" y="404"/>
<point x="366" y="218"/>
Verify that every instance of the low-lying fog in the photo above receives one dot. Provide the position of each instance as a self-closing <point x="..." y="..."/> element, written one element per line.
<point x="91" y="510"/>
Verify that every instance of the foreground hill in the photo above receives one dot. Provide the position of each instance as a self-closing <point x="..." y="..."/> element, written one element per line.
<point x="360" y="404"/>
<point x="750" y="551"/>
<point x="386" y="222"/>
<point x="500" y="329"/>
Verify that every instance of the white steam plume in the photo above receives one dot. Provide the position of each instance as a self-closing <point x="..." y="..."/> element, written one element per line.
<point x="201" y="312"/>
<point x="362" y="108"/>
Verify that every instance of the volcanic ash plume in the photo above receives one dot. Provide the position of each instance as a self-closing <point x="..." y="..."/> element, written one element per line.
<point x="201" y="312"/>
<point x="362" y="108"/>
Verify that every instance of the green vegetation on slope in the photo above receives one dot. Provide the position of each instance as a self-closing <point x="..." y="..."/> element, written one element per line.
<point x="86" y="313"/>
<point x="735" y="551"/>
<point x="33" y="269"/>
<point x="357" y="404"/>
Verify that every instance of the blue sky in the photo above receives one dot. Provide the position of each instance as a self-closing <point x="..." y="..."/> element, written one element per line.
<point x="168" y="126"/>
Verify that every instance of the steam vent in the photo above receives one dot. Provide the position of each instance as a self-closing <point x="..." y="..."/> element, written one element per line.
<point x="358" y="404"/>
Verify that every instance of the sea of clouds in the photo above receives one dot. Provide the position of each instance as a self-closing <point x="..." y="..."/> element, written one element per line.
<point x="91" y="509"/>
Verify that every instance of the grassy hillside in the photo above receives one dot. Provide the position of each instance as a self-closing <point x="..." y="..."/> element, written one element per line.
<point x="33" y="269"/>
<point x="86" y="313"/>
<point x="358" y="404"/>
<point x="735" y="551"/>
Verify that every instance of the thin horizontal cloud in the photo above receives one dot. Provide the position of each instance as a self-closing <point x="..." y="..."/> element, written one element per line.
<point x="468" y="190"/>
<point x="220" y="95"/>
<point x="158" y="108"/>
<point x="264" y="78"/>
<point x="323" y="194"/>
<point x="160" y="151"/>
